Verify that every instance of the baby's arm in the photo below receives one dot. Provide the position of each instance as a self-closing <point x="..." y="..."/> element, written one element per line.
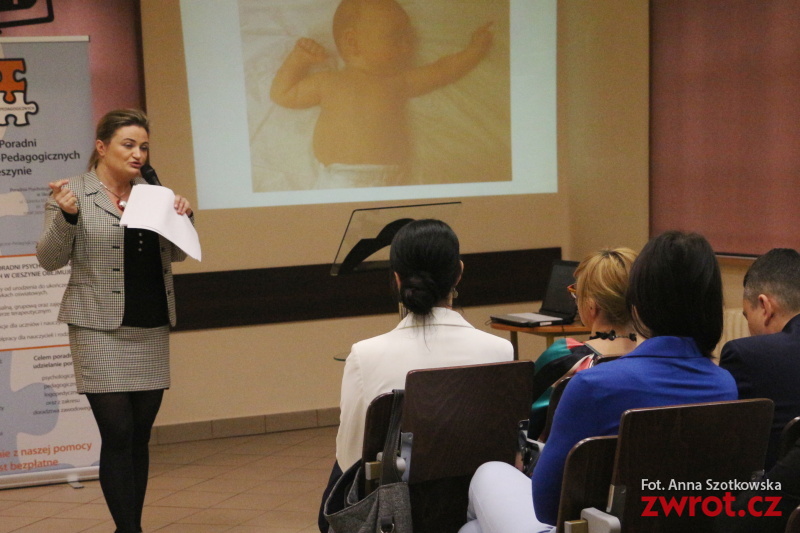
<point x="450" y="68"/>
<point x="292" y="87"/>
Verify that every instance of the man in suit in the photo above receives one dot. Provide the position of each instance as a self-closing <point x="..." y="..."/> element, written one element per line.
<point x="767" y="365"/>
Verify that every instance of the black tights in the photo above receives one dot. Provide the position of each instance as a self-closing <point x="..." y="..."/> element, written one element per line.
<point x="125" y="420"/>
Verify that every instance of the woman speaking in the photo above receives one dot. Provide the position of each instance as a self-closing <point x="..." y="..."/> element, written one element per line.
<point x="119" y="304"/>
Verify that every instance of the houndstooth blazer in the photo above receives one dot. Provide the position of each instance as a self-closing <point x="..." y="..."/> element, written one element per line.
<point x="95" y="295"/>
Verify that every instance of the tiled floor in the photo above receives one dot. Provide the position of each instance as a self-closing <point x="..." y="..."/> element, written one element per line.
<point x="256" y="484"/>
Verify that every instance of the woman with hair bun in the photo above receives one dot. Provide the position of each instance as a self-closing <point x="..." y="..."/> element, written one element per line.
<point x="426" y="268"/>
<point x="425" y="261"/>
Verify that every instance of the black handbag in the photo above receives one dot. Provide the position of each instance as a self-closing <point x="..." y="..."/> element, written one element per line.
<point x="387" y="509"/>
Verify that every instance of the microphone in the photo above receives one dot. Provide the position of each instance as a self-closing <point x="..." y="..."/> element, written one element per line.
<point x="149" y="175"/>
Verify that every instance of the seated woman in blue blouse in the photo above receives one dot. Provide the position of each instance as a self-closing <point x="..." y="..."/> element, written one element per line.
<point x="675" y="297"/>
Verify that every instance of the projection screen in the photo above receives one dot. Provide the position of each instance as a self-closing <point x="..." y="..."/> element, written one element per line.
<point x="490" y="132"/>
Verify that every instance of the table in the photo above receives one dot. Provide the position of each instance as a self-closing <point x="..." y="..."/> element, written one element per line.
<point x="548" y="332"/>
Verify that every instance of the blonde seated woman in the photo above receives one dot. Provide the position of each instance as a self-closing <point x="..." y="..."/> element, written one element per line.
<point x="601" y="282"/>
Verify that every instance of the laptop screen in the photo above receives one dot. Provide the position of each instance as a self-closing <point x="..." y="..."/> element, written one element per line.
<point x="557" y="300"/>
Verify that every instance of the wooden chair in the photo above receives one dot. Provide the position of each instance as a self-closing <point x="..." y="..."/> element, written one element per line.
<point x="377" y="421"/>
<point x="720" y="441"/>
<point x="555" y="397"/>
<point x="376" y="426"/>
<point x="459" y="418"/>
<point x="587" y="475"/>
<point x="789" y="435"/>
<point x="793" y="525"/>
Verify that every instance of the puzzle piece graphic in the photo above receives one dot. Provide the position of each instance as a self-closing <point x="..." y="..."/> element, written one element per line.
<point x="19" y="109"/>
<point x="13" y="204"/>
<point x="17" y="407"/>
<point x="8" y="81"/>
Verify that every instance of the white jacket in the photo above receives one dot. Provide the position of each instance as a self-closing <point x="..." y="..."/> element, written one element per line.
<point x="380" y="364"/>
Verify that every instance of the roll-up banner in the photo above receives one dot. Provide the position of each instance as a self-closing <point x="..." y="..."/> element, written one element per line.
<point x="47" y="432"/>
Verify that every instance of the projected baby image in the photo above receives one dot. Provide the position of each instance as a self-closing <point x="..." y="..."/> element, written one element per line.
<point x="371" y="93"/>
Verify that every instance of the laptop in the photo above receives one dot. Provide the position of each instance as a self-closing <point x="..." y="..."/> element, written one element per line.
<point x="558" y="306"/>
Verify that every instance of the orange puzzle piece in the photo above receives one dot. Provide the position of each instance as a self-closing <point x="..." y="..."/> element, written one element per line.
<point x="8" y="83"/>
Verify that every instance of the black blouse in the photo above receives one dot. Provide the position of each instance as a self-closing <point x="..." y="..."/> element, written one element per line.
<point x="145" y="295"/>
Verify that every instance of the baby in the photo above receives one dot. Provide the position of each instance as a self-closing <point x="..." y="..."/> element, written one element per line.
<point x="362" y="135"/>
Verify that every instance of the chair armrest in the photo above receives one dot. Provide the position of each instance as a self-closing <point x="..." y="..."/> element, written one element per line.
<point x="576" y="526"/>
<point x="587" y="477"/>
<point x="600" y="522"/>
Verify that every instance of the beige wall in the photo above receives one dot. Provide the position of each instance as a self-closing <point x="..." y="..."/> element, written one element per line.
<point x="603" y="71"/>
<point x="602" y="200"/>
<point x="733" y="271"/>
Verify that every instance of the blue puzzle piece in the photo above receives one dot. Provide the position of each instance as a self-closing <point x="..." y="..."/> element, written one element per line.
<point x="16" y="412"/>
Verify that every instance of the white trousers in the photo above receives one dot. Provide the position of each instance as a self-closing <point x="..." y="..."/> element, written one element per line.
<point x="500" y="501"/>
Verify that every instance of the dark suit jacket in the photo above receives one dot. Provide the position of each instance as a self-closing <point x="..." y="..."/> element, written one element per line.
<point x="768" y="366"/>
<point x="787" y="473"/>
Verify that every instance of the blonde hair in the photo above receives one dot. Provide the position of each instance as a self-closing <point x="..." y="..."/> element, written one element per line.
<point x="603" y="278"/>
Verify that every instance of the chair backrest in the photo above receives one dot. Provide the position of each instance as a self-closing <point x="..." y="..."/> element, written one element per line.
<point x="587" y="475"/>
<point x="376" y="425"/>
<point x="789" y="435"/>
<point x="793" y="525"/>
<point x="460" y="418"/>
<point x="717" y="441"/>
<point x="555" y="397"/>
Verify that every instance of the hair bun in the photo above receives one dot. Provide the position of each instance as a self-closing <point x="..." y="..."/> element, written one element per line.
<point x="418" y="293"/>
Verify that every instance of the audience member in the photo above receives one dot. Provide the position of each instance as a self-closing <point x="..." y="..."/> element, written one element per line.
<point x="601" y="280"/>
<point x="675" y="297"/>
<point x="763" y="516"/>
<point x="426" y="266"/>
<point x="767" y="365"/>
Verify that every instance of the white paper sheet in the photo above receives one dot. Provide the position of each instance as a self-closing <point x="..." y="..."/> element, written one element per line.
<point x="152" y="207"/>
